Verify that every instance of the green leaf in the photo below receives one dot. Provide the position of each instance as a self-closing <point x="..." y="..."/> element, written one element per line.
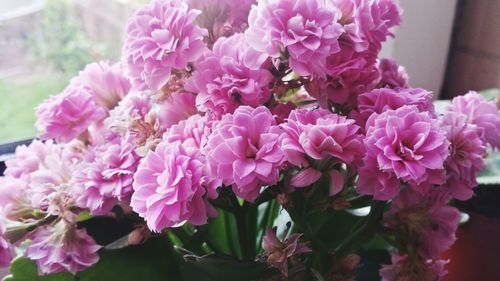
<point x="152" y="261"/>
<point x="215" y="267"/>
<point x="23" y="269"/>
<point x="223" y="234"/>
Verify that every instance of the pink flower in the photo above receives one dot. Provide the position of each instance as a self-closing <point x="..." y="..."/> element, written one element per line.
<point x="38" y="171"/>
<point x="222" y="18"/>
<point x="405" y="268"/>
<point x="30" y="158"/>
<point x="62" y="248"/>
<point x="105" y="177"/>
<point x="320" y="139"/>
<point x="14" y="201"/>
<point x="168" y="187"/>
<point x="192" y="132"/>
<point x="161" y="37"/>
<point x="279" y="252"/>
<point x="349" y="74"/>
<point x="229" y="76"/>
<point x="177" y="107"/>
<point x="367" y="22"/>
<point x="135" y="120"/>
<point x="392" y="74"/>
<point x="320" y="134"/>
<point x="467" y="152"/>
<point x="404" y="143"/>
<point x="243" y="151"/>
<point x="135" y="106"/>
<point x="105" y="81"/>
<point x="306" y="30"/>
<point x="480" y="112"/>
<point x="380" y="100"/>
<point x="372" y="181"/>
<point x="5" y="253"/>
<point x="36" y="175"/>
<point x="69" y="114"/>
<point x="425" y="221"/>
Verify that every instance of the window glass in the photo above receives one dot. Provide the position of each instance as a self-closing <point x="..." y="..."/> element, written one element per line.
<point x="44" y="44"/>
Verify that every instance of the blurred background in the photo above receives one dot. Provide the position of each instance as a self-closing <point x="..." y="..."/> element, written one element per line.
<point x="447" y="46"/>
<point x="46" y="42"/>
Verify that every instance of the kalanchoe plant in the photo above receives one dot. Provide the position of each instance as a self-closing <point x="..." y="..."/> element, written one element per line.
<point x="240" y="140"/>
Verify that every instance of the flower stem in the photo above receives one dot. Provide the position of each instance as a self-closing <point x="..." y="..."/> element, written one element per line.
<point x="363" y="233"/>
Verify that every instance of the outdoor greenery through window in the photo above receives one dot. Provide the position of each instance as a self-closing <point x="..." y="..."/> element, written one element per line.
<point x="46" y="42"/>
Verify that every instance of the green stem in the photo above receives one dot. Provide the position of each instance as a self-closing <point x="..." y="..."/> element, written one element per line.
<point x="245" y="239"/>
<point x="231" y="235"/>
<point x="307" y="231"/>
<point x="363" y="233"/>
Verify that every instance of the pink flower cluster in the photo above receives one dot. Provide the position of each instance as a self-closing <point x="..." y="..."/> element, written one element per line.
<point x="243" y="151"/>
<point x="169" y="187"/>
<point x="36" y="186"/>
<point x="307" y="32"/>
<point x="161" y="37"/>
<point x="251" y="99"/>
<point x="230" y="75"/>
<point x="62" y="248"/>
<point x="402" y="145"/>
<point x="105" y="177"/>
<point x="317" y="140"/>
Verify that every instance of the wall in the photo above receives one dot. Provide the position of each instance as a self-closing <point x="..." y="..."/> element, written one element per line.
<point x="422" y="42"/>
<point x="475" y="52"/>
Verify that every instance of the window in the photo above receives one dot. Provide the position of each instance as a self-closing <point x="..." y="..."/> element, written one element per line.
<point x="44" y="44"/>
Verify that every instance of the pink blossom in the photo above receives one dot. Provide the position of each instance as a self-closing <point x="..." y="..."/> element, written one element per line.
<point x="222" y="18"/>
<point x="30" y="158"/>
<point x="279" y="252"/>
<point x="5" y="253"/>
<point x="480" y="112"/>
<point x="380" y="100"/>
<point x="68" y="115"/>
<point x="105" y="177"/>
<point x="105" y="81"/>
<point x="316" y="140"/>
<point x="161" y="36"/>
<point x="405" y="268"/>
<point x="349" y="74"/>
<point x="367" y="22"/>
<point x="230" y="75"/>
<point x="372" y="181"/>
<point x="467" y="152"/>
<point x="177" y="107"/>
<point x="62" y="248"/>
<point x="306" y="30"/>
<point x="404" y="143"/>
<point x="14" y="200"/>
<point x="34" y="176"/>
<point x="168" y="187"/>
<point x="392" y="74"/>
<point x="135" y="120"/>
<point x="243" y="151"/>
<point x="40" y="169"/>
<point x="192" y="132"/>
<point x="426" y="222"/>
<point x="135" y="106"/>
<point x="318" y="135"/>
